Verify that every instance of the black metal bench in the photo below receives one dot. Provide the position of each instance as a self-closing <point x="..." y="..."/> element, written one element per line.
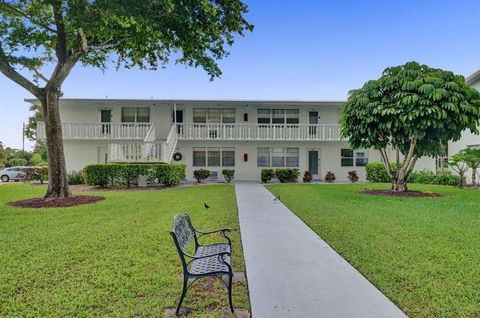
<point x="205" y="260"/>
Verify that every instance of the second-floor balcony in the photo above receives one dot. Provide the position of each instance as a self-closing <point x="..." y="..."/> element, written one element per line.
<point x="109" y="131"/>
<point x="302" y="132"/>
<point x="196" y="131"/>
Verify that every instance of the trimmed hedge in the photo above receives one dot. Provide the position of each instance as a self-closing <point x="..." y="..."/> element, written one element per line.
<point x="35" y="173"/>
<point x="284" y="175"/>
<point x="429" y="177"/>
<point x="267" y="175"/>
<point x="376" y="172"/>
<point x="201" y="174"/>
<point x="228" y="174"/>
<point x="287" y="175"/>
<point x="75" y="177"/>
<point x="101" y="175"/>
<point x="169" y="174"/>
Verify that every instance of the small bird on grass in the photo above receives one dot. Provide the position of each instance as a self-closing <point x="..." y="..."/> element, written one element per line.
<point x="277" y="198"/>
<point x="206" y="205"/>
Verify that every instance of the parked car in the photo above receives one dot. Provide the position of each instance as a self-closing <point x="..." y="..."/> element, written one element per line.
<point x="11" y="173"/>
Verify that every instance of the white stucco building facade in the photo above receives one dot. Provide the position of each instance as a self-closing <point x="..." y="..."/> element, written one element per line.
<point x="468" y="139"/>
<point x="245" y="135"/>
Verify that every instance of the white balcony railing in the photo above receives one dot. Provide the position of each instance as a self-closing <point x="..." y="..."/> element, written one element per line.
<point x="135" y="152"/>
<point x="324" y="132"/>
<point x="88" y="131"/>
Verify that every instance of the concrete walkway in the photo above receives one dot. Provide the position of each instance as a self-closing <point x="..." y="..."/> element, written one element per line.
<point x="292" y="272"/>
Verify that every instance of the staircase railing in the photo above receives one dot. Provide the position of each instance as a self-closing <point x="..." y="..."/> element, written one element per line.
<point x="169" y="146"/>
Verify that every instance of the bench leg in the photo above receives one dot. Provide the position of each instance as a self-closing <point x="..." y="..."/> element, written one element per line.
<point x="230" y="277"/>
<point x="184" y="292"/>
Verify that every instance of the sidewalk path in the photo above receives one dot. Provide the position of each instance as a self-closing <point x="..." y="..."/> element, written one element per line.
<point x="292" y="272"/>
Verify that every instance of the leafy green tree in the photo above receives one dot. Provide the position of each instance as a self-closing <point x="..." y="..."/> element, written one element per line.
<point x="412" y="109"/>
<point x="40" y="35"/>
<point x="458" y="164"/>
<point x="471" y="156"/>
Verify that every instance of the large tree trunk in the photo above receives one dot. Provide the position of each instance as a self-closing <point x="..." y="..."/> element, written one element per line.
<point x="474" y="177"/>
<point x="399" y="184"/>
<point x="57" y="172"/>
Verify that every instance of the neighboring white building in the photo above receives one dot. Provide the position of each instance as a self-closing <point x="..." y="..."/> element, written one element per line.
<point x="468" y="139"/>
<point x="213" y="134"/>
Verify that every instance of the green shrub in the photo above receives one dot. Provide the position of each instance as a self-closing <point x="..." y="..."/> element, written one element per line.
<point x="353" y="176"/>
<point x="75" y="177"/>
<point x="267" y="175"/>
<point x="376" y="172"/>
<point x="101" y="175"/>
<point x="169" y="174"/>
<point x="228" y="174"/>
<point x="128" y="173"/>
<point x="201" y="174"/>
<point x="35" y="173"/>
<point x="14" y="162"/>
<point x="287" y="175"/>
<point x="429" y="177"/>
<point x="330" y="177"/>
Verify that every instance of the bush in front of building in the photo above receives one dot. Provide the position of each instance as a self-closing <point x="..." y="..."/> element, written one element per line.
<point x="75" y="178"/>
<point x="353" y="176"/>
<point x="287" y="175"/>
<point x="228" y="174"/>
<point x="35" y="173"/>
<point x="429" y="177"/>
<point x="330" y="177"/>
<point x="129" y="173"/>
<point x="201" y="174"/>
<point x="101" y="175"/>
<point x="376" y="172"/>
<point x="267" y="175"/>
<point x="169" y="174"/>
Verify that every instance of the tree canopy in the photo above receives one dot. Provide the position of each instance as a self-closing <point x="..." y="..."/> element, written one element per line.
<point x="412" y="108"/>
<point x="37" y="36"/>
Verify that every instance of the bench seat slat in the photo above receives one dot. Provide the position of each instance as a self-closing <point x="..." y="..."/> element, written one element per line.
<point x="208" y="265"/>
<point x="212" y="249"/>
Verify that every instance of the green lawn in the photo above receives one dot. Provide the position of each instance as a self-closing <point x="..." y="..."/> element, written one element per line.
<point x="423" y="253"/>
<point x="114" y="258"/>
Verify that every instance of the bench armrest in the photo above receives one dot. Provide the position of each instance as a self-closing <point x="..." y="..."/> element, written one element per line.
<point x="223" y="233"/>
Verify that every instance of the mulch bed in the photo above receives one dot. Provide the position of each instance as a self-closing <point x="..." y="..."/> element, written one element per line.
<point x="402" y="194"/>
<point x="56" y="203"/>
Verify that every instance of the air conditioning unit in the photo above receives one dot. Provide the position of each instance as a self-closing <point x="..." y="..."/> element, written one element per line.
<point x="213" y="175"/>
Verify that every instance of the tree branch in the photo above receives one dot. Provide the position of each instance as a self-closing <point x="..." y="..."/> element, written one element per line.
<point x="18" y="78"/>
<point x="386" y="161"/>
<point x="38" y="74"/>
<point x="27" y="16"/>
<point x="61" y="45"/>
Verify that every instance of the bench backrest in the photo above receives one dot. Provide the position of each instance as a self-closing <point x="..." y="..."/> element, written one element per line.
<point x="183" y="232"/>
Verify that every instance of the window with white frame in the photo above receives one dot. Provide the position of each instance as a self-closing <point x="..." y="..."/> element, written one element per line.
<point x="277" y="157"/>
<point x="214" y="115"/>
<point x="135" y="114"/>
<point x="292" y="116"/>
<point x="278" y="116"/>
<point x="263" y="116"/>
<point x="263" y="157"/>
<point x="213" y="157"/>
<point x="351" y="158"/>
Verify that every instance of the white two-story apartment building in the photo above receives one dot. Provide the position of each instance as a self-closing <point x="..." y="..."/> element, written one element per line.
<point x="244" y="135"/>
<point x="468" y="139"/>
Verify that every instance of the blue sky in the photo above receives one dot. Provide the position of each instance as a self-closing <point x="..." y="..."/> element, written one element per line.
<point x="298" y="50"/>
